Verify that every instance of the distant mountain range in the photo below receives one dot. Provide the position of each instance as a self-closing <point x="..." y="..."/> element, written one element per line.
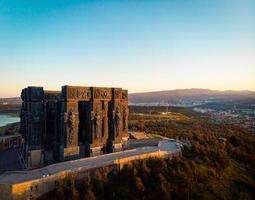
<point x="187" y="97"/>
<point x="180" y="97"/>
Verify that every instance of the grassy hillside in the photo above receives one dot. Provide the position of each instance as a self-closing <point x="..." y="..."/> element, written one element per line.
<point x="152" y="109"/>
<point x="10" y="129"/>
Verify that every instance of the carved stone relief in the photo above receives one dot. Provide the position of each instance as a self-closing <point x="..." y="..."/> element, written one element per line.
<point x="125" y="118"/>
<point x="124" y="94"/>
<point x="84" y="93"/>
<point x="116" y="121"/>
<point x="72" y="93"/>
<point x="102" y="93"/>
<point x="71" y="127"/>
<point x="117" y="93"/>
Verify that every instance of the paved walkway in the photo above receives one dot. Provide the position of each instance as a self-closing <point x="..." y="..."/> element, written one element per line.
<point x="86" y="163"/>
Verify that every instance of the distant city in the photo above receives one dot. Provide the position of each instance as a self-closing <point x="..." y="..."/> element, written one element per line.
<point x="229" y="107"/>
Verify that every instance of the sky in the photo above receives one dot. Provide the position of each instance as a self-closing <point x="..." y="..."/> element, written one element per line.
<point x="140" y="45"/>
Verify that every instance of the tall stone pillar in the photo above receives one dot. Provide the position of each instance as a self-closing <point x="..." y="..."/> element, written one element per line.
<point x="96" y="112"/>
<point x="51" y="99"/>
<point x="68" y="147"/>
<point x="33" y="125"/>
<point x="114" y="142"/>
<point x="125" y="112"/>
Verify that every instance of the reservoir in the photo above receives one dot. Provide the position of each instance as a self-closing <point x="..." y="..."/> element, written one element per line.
<point x="8" y="119"/>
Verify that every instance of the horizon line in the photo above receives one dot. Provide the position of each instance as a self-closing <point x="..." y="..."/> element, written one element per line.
<point x="154" y="91"/>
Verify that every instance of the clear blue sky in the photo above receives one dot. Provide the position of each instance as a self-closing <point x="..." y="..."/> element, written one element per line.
<point x="139" y="45"/>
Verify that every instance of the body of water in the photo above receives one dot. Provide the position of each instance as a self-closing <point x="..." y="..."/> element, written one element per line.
<point x="7" y="119"/>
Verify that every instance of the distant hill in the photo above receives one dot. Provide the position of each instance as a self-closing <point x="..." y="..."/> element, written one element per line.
<point x="11" y="100"/>
<point x="179" y="97"/>
<point x="187" y="97"/>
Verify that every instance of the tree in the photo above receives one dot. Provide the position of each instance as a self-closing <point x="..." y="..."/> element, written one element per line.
<point x="87" y="189"/>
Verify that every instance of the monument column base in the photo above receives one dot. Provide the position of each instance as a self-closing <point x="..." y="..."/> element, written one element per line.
<point x="117" y="147"/>
<point x="71" y="153"/>
<point x="125" y="142"/>
<point x="114" y="146"/>
<point x="35" y="158"/>
<point x="109" y="146"/>
<point x="96" y="151"/>
<point x="91" y="150"/>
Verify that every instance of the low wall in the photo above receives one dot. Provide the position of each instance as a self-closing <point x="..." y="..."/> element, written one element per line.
<point x="37" y="187"/>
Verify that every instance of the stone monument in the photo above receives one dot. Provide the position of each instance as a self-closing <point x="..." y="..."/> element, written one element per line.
<point x="76" y="122"/>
